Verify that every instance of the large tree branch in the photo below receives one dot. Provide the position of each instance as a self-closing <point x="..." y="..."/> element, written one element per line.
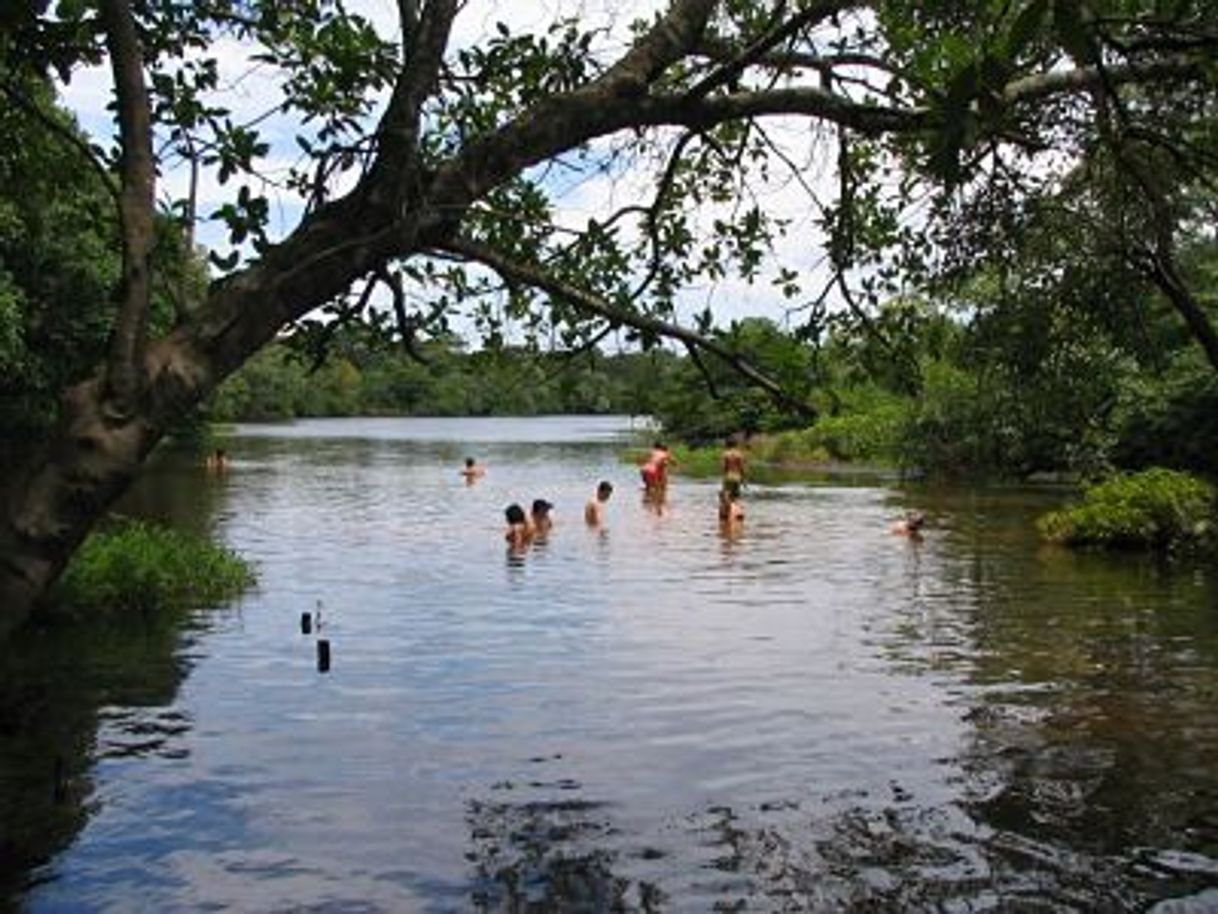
<point x="136" y="202"/>
<point x="605" y="105"/>
<point x="1160" y="266"/>
<point x="425" y="38"/>
<point x="780" y="32"/>
<point x="594" y="305"/>
<point x="344" y="240"/>
<point x="1082" y="79"/>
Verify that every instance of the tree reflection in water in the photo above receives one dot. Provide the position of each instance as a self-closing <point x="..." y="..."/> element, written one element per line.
<point x="846" y="853"/>
<point x="72" y="695"/>
<point x="550" y="855"/>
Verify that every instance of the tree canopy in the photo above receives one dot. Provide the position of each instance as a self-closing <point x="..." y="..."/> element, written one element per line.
<point x="428" y="172"/>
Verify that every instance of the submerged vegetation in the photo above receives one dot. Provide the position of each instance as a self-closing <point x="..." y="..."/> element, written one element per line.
<point x="143" y="567"/>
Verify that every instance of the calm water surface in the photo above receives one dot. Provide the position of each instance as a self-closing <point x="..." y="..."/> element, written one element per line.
<point x="811" y="716"/>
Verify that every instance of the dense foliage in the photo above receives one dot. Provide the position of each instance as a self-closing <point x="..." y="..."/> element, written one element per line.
<point x="142" y="567"/>
<point x="60" y="258"/>
<point x="58" y="261"/>
<point x="1154" y="509"/>
<point x="362" y="379"/>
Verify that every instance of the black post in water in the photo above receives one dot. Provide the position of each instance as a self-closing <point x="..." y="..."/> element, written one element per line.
<point x="306" y="623"/>
<point x="323" y="655"/>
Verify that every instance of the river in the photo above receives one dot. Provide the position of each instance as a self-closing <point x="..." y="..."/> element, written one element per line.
<point x="811" y="715"/>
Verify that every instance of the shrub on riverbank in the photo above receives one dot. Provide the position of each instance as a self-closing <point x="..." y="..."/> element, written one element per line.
<point x="1154" y="509"/>
<point x="141" y="566"/>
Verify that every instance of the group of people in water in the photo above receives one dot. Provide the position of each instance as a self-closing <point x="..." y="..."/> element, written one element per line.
<point x="523" y="528"/>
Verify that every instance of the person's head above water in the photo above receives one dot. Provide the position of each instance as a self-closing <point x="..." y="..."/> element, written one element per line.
<point x="514" y="514"/>
<point x="541" y="507"/>
<point x="469" y="461"/>
<point x="604" y="489"/>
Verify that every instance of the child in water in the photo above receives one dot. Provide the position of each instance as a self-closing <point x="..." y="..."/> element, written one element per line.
<point x="539" y="517"/>
<point x="518" y="533"/>
<point x="731" y="512"/>
<point x="217" y="461"/>
<point x="594" y="509"/>
<point x="471" y="471"/>
<point x="911" y="525"/>
<point x="733" y="467"/>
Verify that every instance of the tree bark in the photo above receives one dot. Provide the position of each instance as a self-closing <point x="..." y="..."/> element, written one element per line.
<point x="136" y="205"/>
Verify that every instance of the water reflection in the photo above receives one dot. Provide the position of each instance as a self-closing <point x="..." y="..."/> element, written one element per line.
<point x="650" y="715"/>
<point x="78" y="701"/>
<point x="549" y="855"/>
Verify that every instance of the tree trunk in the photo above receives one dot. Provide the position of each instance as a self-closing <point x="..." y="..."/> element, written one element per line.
<point x="102" y="439"/>
<point x="51" y="506"/>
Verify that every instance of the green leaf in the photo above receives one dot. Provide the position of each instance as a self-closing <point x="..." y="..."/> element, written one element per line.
<point x="1028" y="23"/>
<point x="1071" y="30"/>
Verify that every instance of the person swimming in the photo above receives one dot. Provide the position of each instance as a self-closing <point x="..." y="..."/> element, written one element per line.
<point x="654" y="472"/>
<point x="217" y="461"/>
<point x="910" y="525"/>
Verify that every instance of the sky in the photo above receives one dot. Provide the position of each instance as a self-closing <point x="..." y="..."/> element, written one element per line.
<point x="250" y="90"/>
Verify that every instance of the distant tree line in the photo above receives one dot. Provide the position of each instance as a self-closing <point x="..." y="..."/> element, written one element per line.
<point x="930" y="386"/>
<point x="361" y="376"/>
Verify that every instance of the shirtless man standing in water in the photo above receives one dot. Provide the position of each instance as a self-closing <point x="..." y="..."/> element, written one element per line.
<point x="733" y="467"/>
<point x="595" y="509"/>
<point x="655" y="470"/>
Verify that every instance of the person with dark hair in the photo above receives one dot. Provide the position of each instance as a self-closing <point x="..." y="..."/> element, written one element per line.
<point x="594" y="510"/>
<point x="910" y="525"/>
<point x="518" y="533"/>
<point x="539" y="518"/>
<point x="472" y="472"/>
<point x="217" y="461"/>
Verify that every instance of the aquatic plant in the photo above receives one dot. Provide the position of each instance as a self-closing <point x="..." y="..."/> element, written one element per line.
<point x="1154" y="509"/>
<point x="142" y="566"/>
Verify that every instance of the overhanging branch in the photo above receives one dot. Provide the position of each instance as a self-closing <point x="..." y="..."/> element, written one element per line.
<point x="591" y="304"/>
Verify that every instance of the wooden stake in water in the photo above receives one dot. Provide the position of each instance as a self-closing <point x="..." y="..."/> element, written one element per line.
<point x="323" y="655"/>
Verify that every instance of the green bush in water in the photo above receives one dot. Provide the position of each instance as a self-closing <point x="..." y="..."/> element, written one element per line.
<point x="141" y="566"/>
<point x="1153" y="509"/>
<point x="871" y="436"/>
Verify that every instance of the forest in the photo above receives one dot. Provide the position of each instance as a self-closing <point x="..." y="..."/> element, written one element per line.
<point x="967" y="402"/>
